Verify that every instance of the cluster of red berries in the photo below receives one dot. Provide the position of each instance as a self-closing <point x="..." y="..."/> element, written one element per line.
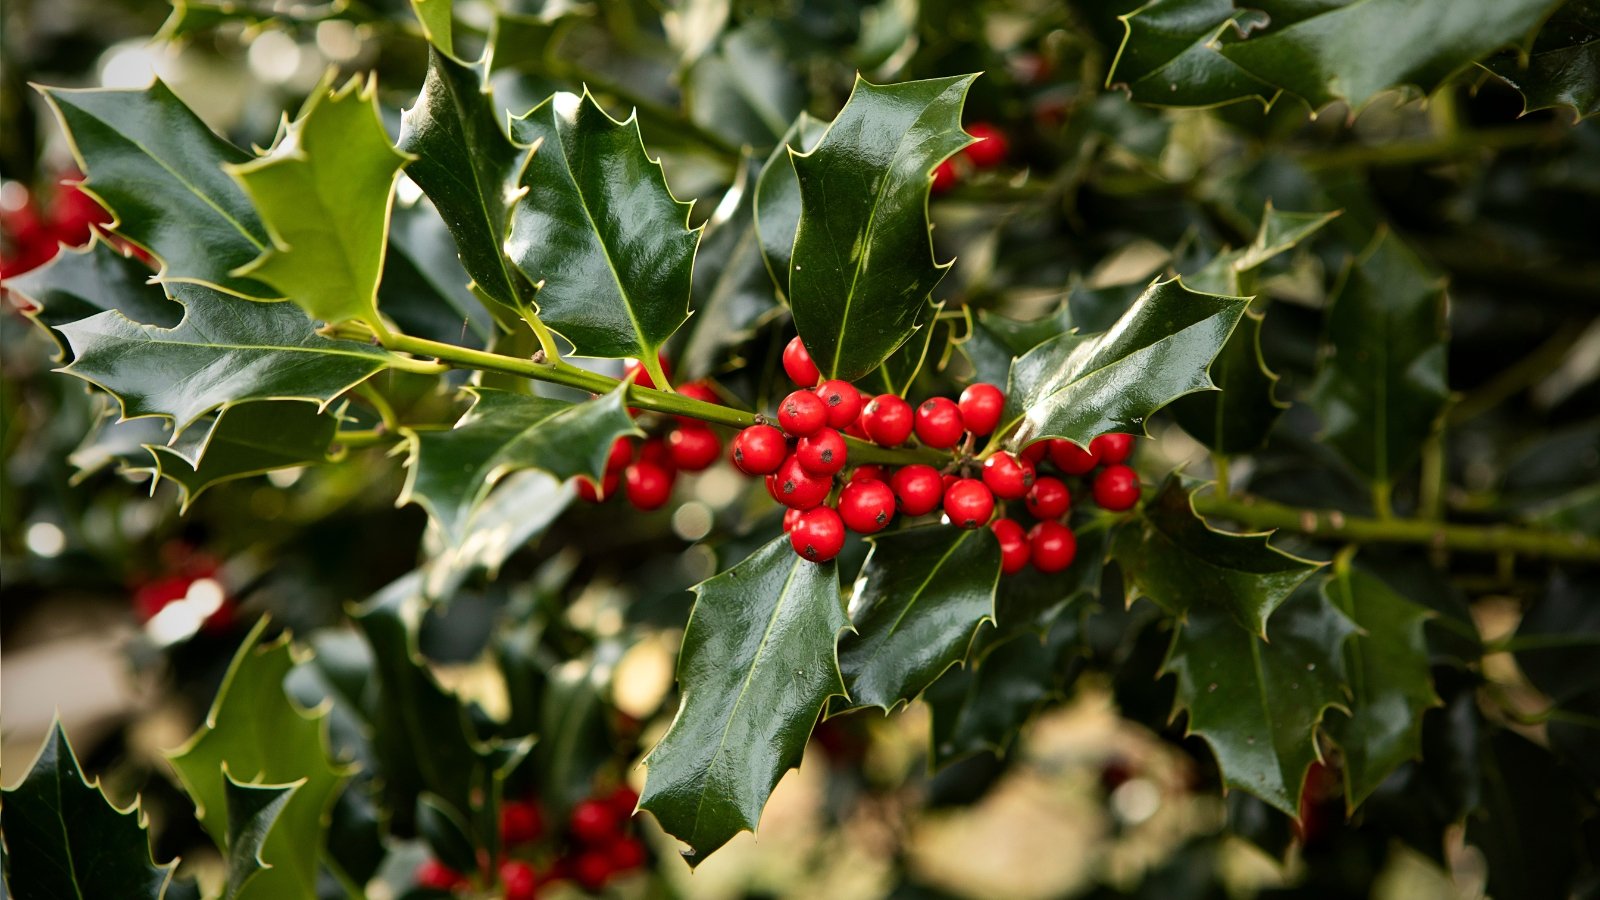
<point x="597" y="846"/>
<point x="989" y="151"/>
<point x="31" y="231"/>
<point x="646" y="470"/>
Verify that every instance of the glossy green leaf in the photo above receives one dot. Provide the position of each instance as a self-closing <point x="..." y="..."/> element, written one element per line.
<point x="450" y="472"/>
<point x="424" y="289"/>
<point x="436" y="18"/>
<point x="246" y="439"/>
<point x="1175" y="558"/>
<point x="256" y="735"/>
<point x="1232" y="272"/>
<point x="920" y="598"/>
<point x="253" y="812"/>
<point x="79" y="283"/>
<point x="1566" y="75"/>
<point x="1238" y="417"/>
<point x="745" y="89"/>
<point x="63" y="838"/>
<point x="862" y="265"/>
<point x="599" y="231"/>
<point x="223" y="352"/>
<point x="1390" y="685"/>
<point x="758" y="664"/>
<point x="323" y="192"/>
<point x="1171" y="54"/>
<point x="1257" y="701"/>
<point x="1032" y="601"/>
<point x="1079" y="386"/>
<point x="575" y="743"/>
<point x="900" y="370"/>
<point x="469" y="168"/>
<point x="732" y="292"/>
<point x="1382" y="384"/>
<point x="996" y="340"/>
<point x="777" y="198"/>
<point x="152" y="161"/>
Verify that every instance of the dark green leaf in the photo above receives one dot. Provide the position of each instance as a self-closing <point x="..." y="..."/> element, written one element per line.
<point x="1558" y="645"/>
<point x="1079" y="387"/>
<point x="1171" y="54"/>
<point x="63" y="838"/>
<point x="575" y="743"/>
<point x="777" y="198"/>
<point x="447" y="834"/>
<point x="246" y="439"/>
<point x="1528" y="824"/>
<point x="1032" y="601"/>
<point x="1382" y="384"/>
<point x="1232" y="272"/>
<point x="599" y="231"/>
<point x="758" y="664"/>
<point x="900" y="370"/>
<point x="863" y="262"/>
<point x="1097" y="309"/>
<point x="520" y="508"/>
<point x="1560" y="72"/>
<point x="79" y="283"/>
<point x="1173" y="557"/>
<point x="744" y="89"/>
<point x="1257" y="701"/>
<point x="1390" y="686"/>
<point x="160" y="170"/>
<point x="253" y="812"/>
<point x="996" y="340"/>
<point x="1237" y="417"/>
<point x="450" y="472"/>
<point x="424" y="288"/>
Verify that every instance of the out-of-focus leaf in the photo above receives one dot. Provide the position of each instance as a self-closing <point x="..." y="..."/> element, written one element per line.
<point x="1562" y="69"/>
<point x="437" y="20"/>
<point x="246" y="439"/>
<point x="424" y="288"/>
<point x="996" y="340"/>
<point x="1278" y="233"/>
<point x="520" y="508"/>
<point x="79" y="283"/>
<point x="575" y="743"/>
<point x="777" y="198"/>
<point x="1171" y="54"/>
<point x="1527" y="826"/>
<point x="1559" y="650"/>
<point x="1238" y="417"/>
<point x="744" y="89"/>
<point x="732" y="292"/>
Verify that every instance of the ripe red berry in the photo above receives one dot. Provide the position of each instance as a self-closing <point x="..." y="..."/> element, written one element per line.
<point x="589" y="492"/>
<point x="919" y="488"/>
<point x="866" y="506"/>
<point x="797" y="362"/>
<point x="1009" y="477"/>
<point x="794" y="487"/>
<point x="655" y="451"/>
<point x="888" y="420"/>
<point x="520" y="822"/>
<point x="593" y="821"/>
<point x="625" y="854"/>
<point x="621" y="454"/>
<point x="1112" y="448"/>
<point x="981" y="406"/>
<point x="1035" y="452"/>
<point x="518" y="879"/>
<point x="1014" y="552"/>
<point x="945" y="177"/>
<point x="991" y="148"/>
<point x="819" y="535"/>
<point x="693" y="447"/>
<point x="624" y="800"/>
<point x="1070" y="458"/>
<point x="1116" y="488"/>
<point x="759" y="450"/>
<point x="591" y="870"/>
<point x="648" y="485"/>
<point x="843" y="402"/>
<point x="867" y="473"/>
<point x="802" y="413"/>
<point x="968" y="503"/>
<point x="939" y="423"/>
<point x="790" y="518"/>
<point x="1048" y="498"/>
<point x="821" y="454"/>
<point x="857" y="430"/>
<point x="1053" y="546"/>
<point x="437" y="876"/>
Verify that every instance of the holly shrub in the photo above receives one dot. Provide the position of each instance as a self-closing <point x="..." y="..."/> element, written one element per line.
<point x="1230" y="366"/>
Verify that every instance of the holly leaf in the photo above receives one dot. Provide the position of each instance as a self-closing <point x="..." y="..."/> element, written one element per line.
<point x="81" y="282"/>
<point x="1238" y="417"/>
<point x="437" y="21"/>
<point x="996" y="340"/>
<point x="1382" y="384"/>
<point x="424" y="288"/>
<point x="1079" y="387"/>
<point x="254" y="734"/>
<point x="253" y="812"/>
<point x="1390" y="685"/>
<point x="920" y="598"/>
<point x="1171" y="54"/>
<point x="246" y="439"/>
<point x="1557" y="642"/>
<point x="758" y="664"/>
<point x="744" y="89"/>
<point x="900" y="370"/>
<point x="63" y="838"/>
<point x="450" y="472"/>
<point x="1230" y="272"/>
<point x="521" y="507"/>
<point x="324" y="192"/>
<point x="223" y="352"/>
<point x="777" y="198"/>
<point x="469" y="168"/>
<point x="1172" y="556"/>
<point x="577" y="743"/>
<point x="863" y="264"/>
<point x="1257" y="700"/>
<point x="1562" y="69"/>
<point x="159" y="169"/>
<point x="599" y="231"/>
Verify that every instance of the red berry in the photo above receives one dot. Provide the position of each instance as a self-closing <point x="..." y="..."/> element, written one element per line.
<point x="647" y="485"/>
<point x="621" y="454"/>
<point x="625" y="854"/>
<point x="919" y="488"/>
<point x="867" y="473"/>
<point x="591" y="870"/>
<point x="821" y="454"/>
<point x="624" y="800"/>
<point x="1052" y="545"/>
<point x="1014" y="552"/>
<point x="1009" y="477"/>
<point x="802" y="413"/>
<point x="991" y="148"/>
<point x="968" y="503"/>
<point x="797" y="362"/>
<point x="843" y="402"/>
<point x="656" y="452"/>
<point x="759" y="450"/>
<point x="1035" y="452"/>
<point x="981" y="406"/>
<point x="437" y="876"/>
<point x="1049" y="498"/>
<point x="1112" y="448"/>
<point x="693" y="447"/>
<point x="939" y="423"/>
<point x="593" y="822"/>
<point x="945" y="177"/>
<point x="887" y="419"/>
<point x="858" y="430"/>
<point x="790" y="518"/>
<point x="589" y="492"/>
<point x="866" y="506"/>
<point x="1116" y="488"/>
<point x="518" y="879"/>
<point x="1070" y="458"/>
<point x="794" y="487"/>
<point x="819" y="535"/>
<point x="520" y="822"/>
